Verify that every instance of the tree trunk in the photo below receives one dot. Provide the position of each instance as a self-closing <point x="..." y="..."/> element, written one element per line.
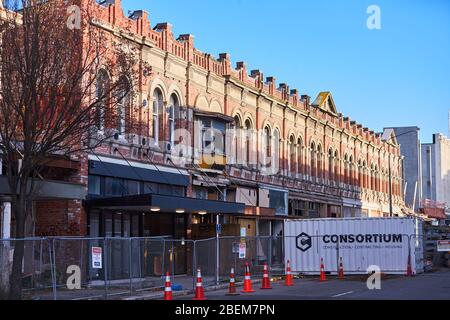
<point x="15" y="291"/>
<point x="5" y="250"/>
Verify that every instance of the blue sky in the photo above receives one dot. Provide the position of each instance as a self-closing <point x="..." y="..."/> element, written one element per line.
<point x="396" y="76"/>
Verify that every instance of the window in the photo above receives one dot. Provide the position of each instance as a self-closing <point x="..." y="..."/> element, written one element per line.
<point x="277" y="200"/>
<point x="236" y="139"/>
<point x="267" y="141"/>
<point x="102" y="99"/>
<point x="292" y="156"/>
<point x="132" y="187"/>
<point x="157" y="114"/>
<point x="248" y="135"/>
<point x="173" y="109"/>
<point x="336" y="173"/>
<point x="114" y="187"/>
<point x="351" y="171"/>
<point x="319" y="161"/>
<point x="365" y="177"/>
<point x="330" y="165"/>
<point x="123" y="105"/>
<point x="200" y="193"/>
<point x="299" y="156"/>
<point x="312" y="169"/>
<point x="276" y="153"/>
<point x="94" y="185"/>
<point x="213" y="133"/>
<point x="346" y="169"/>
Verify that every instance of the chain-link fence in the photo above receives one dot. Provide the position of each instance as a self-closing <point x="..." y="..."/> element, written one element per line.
<point x="111" y="268"/>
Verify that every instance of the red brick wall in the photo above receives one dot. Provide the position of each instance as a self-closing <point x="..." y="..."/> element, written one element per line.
<point x="60" y="218"/>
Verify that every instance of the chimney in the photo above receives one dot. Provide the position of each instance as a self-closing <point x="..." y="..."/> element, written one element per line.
<point x="307" y="99"/>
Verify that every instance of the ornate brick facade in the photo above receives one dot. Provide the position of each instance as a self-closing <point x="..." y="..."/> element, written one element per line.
<point x="321" y="151"/>
<point x="324" y="157"/>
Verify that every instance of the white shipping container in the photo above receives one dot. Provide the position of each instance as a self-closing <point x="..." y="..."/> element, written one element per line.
<point x="359" y="242"/>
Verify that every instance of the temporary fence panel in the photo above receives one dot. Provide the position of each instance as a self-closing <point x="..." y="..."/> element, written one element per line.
<point x="36" y="271"/>
<point x="360" y="242"/>
<point x="81" y="268"/>
<point x="205" y="259"/>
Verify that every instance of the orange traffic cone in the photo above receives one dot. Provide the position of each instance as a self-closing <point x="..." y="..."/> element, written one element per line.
<point x="341" y="269"/>
<point x="247" y="280"/>
<point x="323" y="277"/>
<point x="199" y="291"/>
<point x="289" y="282"/>
<point x="409" y="272"/>
<point x="266" y="279"/>
<point x="232" y="287"/>
<point x="168" y="288"/>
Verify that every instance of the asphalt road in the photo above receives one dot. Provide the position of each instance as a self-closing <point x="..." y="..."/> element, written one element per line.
<point x="430" y="286"/>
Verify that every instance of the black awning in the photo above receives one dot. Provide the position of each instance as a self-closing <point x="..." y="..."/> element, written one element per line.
<point x="135" y="173"/>
<point x="166" y="203"/>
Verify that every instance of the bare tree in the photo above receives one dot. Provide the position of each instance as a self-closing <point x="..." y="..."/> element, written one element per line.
<point x="62" y="80"/>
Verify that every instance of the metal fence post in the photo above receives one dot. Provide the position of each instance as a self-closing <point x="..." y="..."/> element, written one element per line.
<point x="163" y="258"/>
<point x="217" y="260"/>
<point x="172" y="261"/>
<point x="269" y="253"/>
<point x="105" y="273"/>
<point x="53" y="254"/>
<point x="194" y="264"/>
<point x="130" y="272"/>
<point x="52" y="267"/>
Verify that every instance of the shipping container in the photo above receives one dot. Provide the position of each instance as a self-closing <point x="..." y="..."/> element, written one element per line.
<point x="387" y="243"/>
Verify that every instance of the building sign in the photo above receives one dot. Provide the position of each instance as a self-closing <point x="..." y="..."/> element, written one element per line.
<point x="361" y="243"/>
<point x="96" y="258"/>
<point x="443" y="246"/>
<point x="242" y="250"/>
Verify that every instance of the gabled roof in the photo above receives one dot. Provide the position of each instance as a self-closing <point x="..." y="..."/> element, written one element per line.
<point x="325" y="102"/>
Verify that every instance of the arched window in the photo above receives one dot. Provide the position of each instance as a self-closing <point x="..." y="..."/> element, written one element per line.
<point x="351" y="171"/>
<point x="236" y="138"/>
<point x="365" y="178"/>
<point x="174" y="106"/>
<point x="319" y="169"/>
<point x="336" y="167"/>
<point x="158" y="106"/>
<point x="123" y="105"/>
<point x="292" y="156"/>
<point x="267" y="142"/>
<point x="377" y="185"/>
<point x="330" y="165"/>
<point x="102" y="98"/>
<point x="300" y="156"/>
<point x="346" y="169"/>
<point x="372" y="177"/>
<point x="276" y="149"/>
<point x="312" y="159"/>
<point x="247" y="145"/>
<point x="360" y="174"/>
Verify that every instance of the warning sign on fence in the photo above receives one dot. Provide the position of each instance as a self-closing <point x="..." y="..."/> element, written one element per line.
<point x="96" y="257"/>
<point x="242" y="250"/>
<point x="443" y="246"/>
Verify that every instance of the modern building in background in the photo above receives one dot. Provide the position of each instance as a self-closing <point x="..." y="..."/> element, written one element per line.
<point x="410" y="148"/>
<point x="436" y="174"/>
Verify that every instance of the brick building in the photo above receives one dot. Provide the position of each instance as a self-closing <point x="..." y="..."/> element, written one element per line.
<point x="179" y="168"/>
